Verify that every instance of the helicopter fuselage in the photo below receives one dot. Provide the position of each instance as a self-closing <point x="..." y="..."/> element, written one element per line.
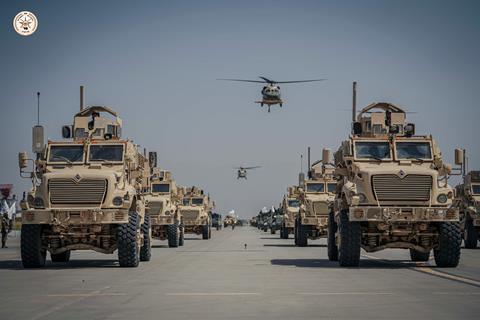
<point x="242" y="173"/>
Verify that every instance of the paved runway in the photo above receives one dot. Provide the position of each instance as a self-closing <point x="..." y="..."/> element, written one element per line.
<point x="220" y="279"/>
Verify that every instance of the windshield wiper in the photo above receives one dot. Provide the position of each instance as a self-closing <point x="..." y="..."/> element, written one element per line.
<point x="375" y="158"/>
<point x="415" y="158"/>
<point x="104" y="160"/>
<point x="62" y="158"/>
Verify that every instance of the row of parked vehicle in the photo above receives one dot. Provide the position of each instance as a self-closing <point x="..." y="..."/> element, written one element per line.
<point x="96" y="191"/>
<point x="385" y="187"/>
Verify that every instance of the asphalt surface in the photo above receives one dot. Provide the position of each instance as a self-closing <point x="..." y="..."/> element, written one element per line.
<point x="221" y="279"/>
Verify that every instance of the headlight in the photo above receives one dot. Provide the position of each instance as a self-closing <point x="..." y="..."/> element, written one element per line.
<point x="362" y="198"/>
<point x="117" y="201"/>
<point x="38" y="202"/>
<point x="442" y="198"/>
<point x="167" y="213"/>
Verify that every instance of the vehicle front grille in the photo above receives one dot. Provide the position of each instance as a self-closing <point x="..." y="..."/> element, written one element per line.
<point x="155" y="207"/>
<point x="86" y="192"/>
<point x="189" y="214"/>
<point x="320" y="208"/>
<point x="390" y="187"/>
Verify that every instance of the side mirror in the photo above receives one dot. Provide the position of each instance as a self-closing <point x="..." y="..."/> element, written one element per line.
<point x="66" y="132"/>
<point x="38" y="143"/>
<point x="459" y="155"/>
<point x="326" y="156"/>
<point x="409" y="129"/>
<point x="22" y="160"/>
<point x="357" y="128"/>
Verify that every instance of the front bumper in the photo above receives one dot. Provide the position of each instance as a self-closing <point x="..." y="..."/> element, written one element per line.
<point x="161" y="220"/>
<point x="316" y="221"/>
<point x="403" y="214"/>
<point x="74" y="216"/>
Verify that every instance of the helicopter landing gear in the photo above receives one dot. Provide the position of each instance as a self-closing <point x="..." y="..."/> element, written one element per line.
<point x="261" y="104"/>
<point x="268" y="108"/>
<point x="280" y="105"/>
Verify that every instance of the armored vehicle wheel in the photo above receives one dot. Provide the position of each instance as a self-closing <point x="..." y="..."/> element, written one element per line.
<point x="146" y="249"/>
<point x="209" y="231"/>
<point x="181" y="239"/>
<point x="205" y="232"/>
<point x="173" y="235"/>
<point x="33" y="255"/>
<point x="350" y="237"/>
<point x="419" y="256"/>
<point x="61" y="257"/>
<point x="265" y="229"/>
<point x="295" y="233"/>
<point x="285" y="233"/>
<point x="471" y="235"/>
<point x="272" y="231"/>
<point x="218" y="227"/>
<point x="447" y="254"/>
<point x="302" y="236"/>
<point x="128" y="249"/>
<point x="331" y="243"/>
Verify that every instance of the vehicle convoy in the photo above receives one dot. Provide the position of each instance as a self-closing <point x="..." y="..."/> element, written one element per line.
<point x="275" y="220"/>
<point x="290" y="208"/>
<point x="161" y="206"/>
<point x="230" y="220"/>
<point x="467" y="200"/>
<point x="393" y="191"/>
<point x="253" y="221"/>
<point x="86" y="193"/>
<point x="217" y="221"/>
<point x="262" y="219"/>
<point x="316" y="196"/>
<point x="195" y="210"/>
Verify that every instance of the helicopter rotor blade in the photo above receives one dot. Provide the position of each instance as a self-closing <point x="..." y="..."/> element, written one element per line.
<point x="255" y="167"/>
<point x="267" y="80"/>
<point x="299" y="81"/>
<point x="243" y="80"/>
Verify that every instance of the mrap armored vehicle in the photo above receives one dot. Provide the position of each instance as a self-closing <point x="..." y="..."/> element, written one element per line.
<point x="161" y="200"/>
<point x="275" y="220"/>
<point x="230" y="220"/>
<point x="468" y="201"/>
<point x="195" y="210"/>
<point x="393" y="191"/>
<point x="316" y="195"/>
<point x="290" y="207"/>
<point x="216" y="220"/>
<point x="87" y="193"/>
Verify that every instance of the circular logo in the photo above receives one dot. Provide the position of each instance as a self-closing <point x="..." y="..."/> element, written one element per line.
<point x="25" y="23"/>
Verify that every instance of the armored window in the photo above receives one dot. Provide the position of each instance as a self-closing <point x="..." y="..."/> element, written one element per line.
<point x="197" y="201"/>
<point x="106" y="152"/>
<point x="476" y="188"/>
<point x="372" y="150"/>
<point x="80" y="133"/>
<point x="293" y="203"/>
<point x="331" y="187"/>
<point x="161" y="187"/>
<point x="315" y="187"/>
<point x="186" y="202"/>
<point x="413" y="150"/>
<point x="65" y="154"/>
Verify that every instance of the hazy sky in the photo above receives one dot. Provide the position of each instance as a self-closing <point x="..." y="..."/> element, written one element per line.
<point x="156" y="62"/>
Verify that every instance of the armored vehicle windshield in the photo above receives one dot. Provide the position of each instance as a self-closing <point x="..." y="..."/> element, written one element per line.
<point x="315" y="187"/>
<point x="105" y="152"/>
<point x="378" y="150"/>
<point x="161" y="187"/>
<point x="197" y="201"/>
<point x="413" y="150"/>
<point x="476" y="188"/>
<point x="331" y="187"/>
<point x="294" y="203"/>
<point x="65" y="154"/>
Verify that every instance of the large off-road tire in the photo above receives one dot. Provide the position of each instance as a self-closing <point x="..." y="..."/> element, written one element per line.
<point x="285" y="233"/>
<point x="33" y="255"/>
<point x="447" y="254"/>
<point x="173" y="235"/>
<point x="471" y="235"/>
<point x="419" y="256"/>
<point x="302" y="236"/>
<point x="350" y="240"/>
<point x="146" y="249"/>
<point x="273" y="231"/>
<point x="181" y="239"/>
<point x="331" y="239"/>
<point x="128" y="250"/>
<point x="218" y="227"/>
<point x="205" y="232"/>
<point x="295" y="233"/>
<point x="60" y="257"/>
<point x="209" y="231"/>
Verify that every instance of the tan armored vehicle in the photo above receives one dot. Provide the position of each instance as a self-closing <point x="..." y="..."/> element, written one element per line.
<point x="316" y="197"/>
<point x="195" y="211"/>
<point x="290" y="207"/>
<point x="468" y="202"/>
<point x="229" y="220"/>
<point x="393" y="192"/>
<point x="161" y="206"/>
<point x="86" y="193"/>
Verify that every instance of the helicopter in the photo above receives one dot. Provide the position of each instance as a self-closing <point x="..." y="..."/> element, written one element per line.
<point x="242" y="171"/>
<point x="271" y="91"/>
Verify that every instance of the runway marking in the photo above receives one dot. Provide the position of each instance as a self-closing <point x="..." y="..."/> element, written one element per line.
<point x="456" y="293"/>
<point x="94" y="294"/>
<point x="423" y="268"/>
<point x="344" y="293"/>
<point x="213" y="294"/>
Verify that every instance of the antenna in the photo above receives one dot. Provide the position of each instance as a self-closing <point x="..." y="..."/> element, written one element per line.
<point x="82" y="98"/>
<point x="309" y="173"/>
<point x="301" y="162"/>
<point x="38" y="108"/>
<point x="354" y="102"/>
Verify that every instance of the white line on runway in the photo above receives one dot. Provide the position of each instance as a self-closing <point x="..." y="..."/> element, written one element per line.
<point x="213" y="294"/>
<point x="343" y="293"/>
<point x="86" y="294"/>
